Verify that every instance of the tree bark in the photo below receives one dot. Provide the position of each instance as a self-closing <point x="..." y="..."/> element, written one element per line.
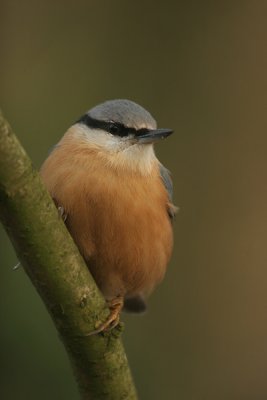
<point x="58" y="272"/>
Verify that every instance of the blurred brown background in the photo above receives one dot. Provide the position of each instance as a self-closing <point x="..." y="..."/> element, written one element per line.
<point x="200" y="68"/>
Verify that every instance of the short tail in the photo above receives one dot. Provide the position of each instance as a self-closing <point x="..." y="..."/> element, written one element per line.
<point x="135" y="305"/>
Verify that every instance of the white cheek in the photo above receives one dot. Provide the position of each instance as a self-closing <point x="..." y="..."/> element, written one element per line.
<point x="100" y="139"/>
<point x="115" y="143"/>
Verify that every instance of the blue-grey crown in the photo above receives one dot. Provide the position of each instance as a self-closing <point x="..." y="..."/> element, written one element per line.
<point x="125" y="112"/>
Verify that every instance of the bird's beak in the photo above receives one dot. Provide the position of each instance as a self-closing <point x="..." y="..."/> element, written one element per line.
<point x="153" y="135"/>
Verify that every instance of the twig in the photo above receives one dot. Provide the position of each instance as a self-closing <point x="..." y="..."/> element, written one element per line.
<point x="58" y="272"/>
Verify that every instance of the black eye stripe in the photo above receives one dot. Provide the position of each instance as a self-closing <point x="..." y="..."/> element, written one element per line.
<point x="118" y="129"/>
<point x="93" y="123"/>
<point x="115" y="128"/>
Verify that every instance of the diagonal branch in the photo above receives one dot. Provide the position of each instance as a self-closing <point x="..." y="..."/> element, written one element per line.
<point x="58" y="272"/>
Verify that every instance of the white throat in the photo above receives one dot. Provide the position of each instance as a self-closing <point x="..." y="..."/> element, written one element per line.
<point x="137" y="158"/>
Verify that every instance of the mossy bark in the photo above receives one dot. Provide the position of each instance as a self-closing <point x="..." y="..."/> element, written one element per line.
<point x="58" y="272"/>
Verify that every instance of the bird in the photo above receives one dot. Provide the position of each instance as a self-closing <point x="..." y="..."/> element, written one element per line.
<point x="116" y="200"/>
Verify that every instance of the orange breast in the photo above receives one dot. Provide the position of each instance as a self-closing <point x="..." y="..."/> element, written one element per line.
<point x="118" y="220"/>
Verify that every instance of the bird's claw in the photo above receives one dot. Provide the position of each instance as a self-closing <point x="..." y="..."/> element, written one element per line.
<point x="115" y="305"/>
<point x="62" y="214"/>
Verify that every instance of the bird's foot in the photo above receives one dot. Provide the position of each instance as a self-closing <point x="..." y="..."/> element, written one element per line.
<point x="115" y="306"/>
<point x="61" y="213"/>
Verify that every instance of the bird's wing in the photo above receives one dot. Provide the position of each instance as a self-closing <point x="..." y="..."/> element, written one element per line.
<point x="167" y="182"/>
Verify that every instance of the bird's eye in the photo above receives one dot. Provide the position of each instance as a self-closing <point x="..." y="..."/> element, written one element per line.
<point x="114" y="128"/>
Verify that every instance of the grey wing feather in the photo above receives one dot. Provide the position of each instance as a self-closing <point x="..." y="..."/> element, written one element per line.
<point x="167" y="182"/>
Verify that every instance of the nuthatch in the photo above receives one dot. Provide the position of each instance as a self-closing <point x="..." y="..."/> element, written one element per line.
<point x="117" y="200"/>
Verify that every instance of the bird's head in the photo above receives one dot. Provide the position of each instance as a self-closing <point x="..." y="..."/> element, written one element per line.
<point x="123" y="130"/>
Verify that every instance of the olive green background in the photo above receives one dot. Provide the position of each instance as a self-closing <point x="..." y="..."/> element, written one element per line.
<point x="199" y="67"/>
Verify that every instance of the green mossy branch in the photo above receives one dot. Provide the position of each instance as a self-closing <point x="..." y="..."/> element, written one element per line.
<point x="58" y="272"/>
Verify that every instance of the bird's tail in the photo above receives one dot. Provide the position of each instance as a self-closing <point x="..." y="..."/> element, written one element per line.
<point x="135" y="305"/>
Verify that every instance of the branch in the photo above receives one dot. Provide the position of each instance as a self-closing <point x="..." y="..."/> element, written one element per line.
<point x="58" y="272"/>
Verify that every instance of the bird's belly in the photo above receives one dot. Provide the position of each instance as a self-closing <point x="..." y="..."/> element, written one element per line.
<point x="127" y="248"/>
